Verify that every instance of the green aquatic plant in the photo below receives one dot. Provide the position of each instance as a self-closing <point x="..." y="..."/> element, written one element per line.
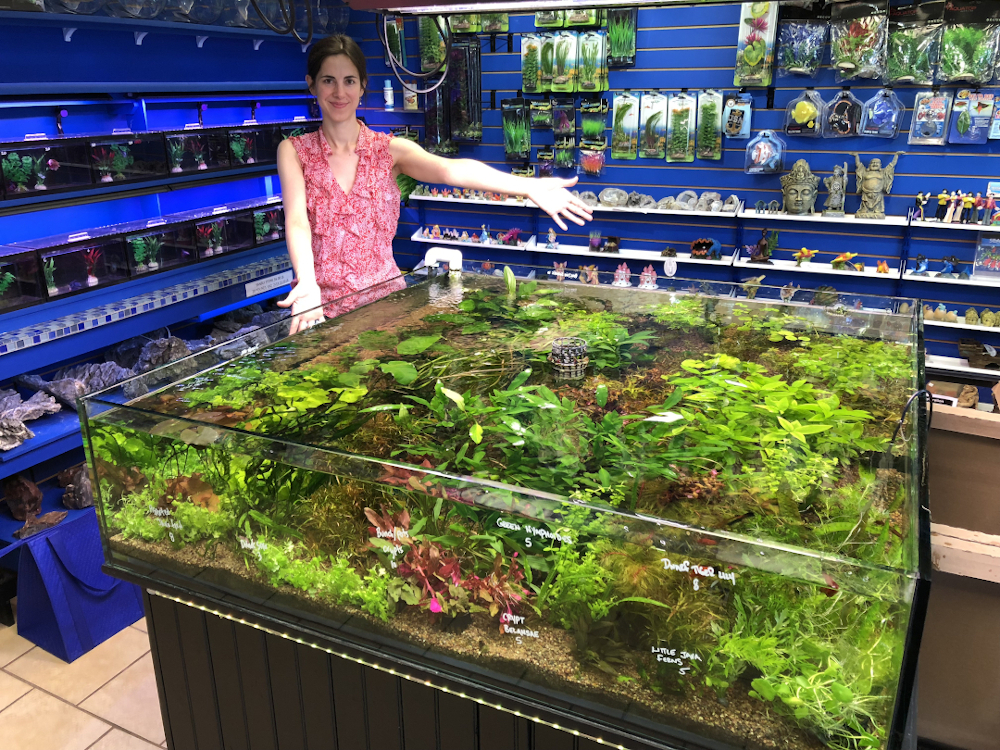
<point x="621" y="139"/>
<point x="967" y="52"/>
<point x="548" y="52"/>
<point x="139" y="250"/>
<point x="908" y="57"/>
<point x="588" y="66"/>
<point x="621" y="36"/>
<point x="679" y="142"/>
<point x="431" y="43"/>
<point x="708" y="136"/>
<point x="529" y="68"/>
<point x="18" y="170"/>
<point x="49" y="270"/>
<point x="562" y="55"/>
<point x="121" y="160"/>
<point x="6" y="279"/>
<point x="516" y="136"/>
<point x="652" y="132"/>
<point x="593" y="128"/>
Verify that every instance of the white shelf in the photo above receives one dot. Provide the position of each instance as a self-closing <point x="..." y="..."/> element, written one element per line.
<point x="509" y="203"/>
<point x="665" y="212"/>
<point x="963" y="326"/>
<point x="890" y="221"/>
<point x="908" y="276"/>
<point x="958" y="227"/>
<point x="957" y="365"/>
<point x="811" y="267"/>
<point x="651" y="256"/>
<point x="529" y="244"/>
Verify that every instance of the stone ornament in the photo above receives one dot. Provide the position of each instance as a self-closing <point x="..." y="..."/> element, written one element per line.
<point x="836" y="186"/>
<point x="798" y="188"/>
<point x="874" y="183"/>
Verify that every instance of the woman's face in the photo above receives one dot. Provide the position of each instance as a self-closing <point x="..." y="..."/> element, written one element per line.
<point x="337" y="88"/>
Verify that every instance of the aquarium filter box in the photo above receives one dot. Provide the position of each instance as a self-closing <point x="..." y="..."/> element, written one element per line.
<point x="708" y="534"/>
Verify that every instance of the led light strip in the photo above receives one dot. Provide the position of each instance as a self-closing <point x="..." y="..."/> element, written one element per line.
<point x="380" y="668"/>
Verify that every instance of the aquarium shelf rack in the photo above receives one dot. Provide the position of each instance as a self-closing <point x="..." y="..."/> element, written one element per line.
<point x="780" y="264"/>
<point x="652" y="256"/>
<point x="961" y="326"/>
<point x="923" y="224"/>
<point x="508" y="203"/>
<point x="818" y="218"/>
<point x="526" y="203"/>
<point x="529" y="244"/>
<point x="55" y="434"/>
<point x="908" y="276"/>
<point x="958" y="366"/>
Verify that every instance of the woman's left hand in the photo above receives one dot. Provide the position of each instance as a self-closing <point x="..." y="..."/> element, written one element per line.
<point x="551" y="195"/>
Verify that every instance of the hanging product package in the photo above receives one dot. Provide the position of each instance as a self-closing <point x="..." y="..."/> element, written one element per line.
<point x="680" y="127"/>
<point x="914" y="42"/>
<point x="531" y="57"/>
<point x="930" y="118"/>
<point x="970" y="117"/>
<point x="516" y="130"/>
<point x="564" y="149"/>
<point x="995" y="123"/>
<point x="710" y="125"/>
<point x="550" y="19"/>
<point x="803" y="115"/>
<point x="564" y="68"/>
<point x="882" y="115"/>
<point x="841" y="115"/>
<point x="653" y="126"/>
<point x="432" y="46"/>
<point x="590" y="65"/>
<point x="395" y="41"/>
<point x="437" y="124"/>
<point x="546" y="161"/>
<point x="541" y="114"/>
<point x="737" y="116"/>
<point x="591" y="162"/>
<point x="755" y="47"/>
<point x="625" y="128"/>
<point x="464" y="23"/>
<point x="858" y="35"/>
<point x="494" y="23"/>
<point x="969" y="42"/>
<point x="622" y="25"/>
<point x="801" y="38"/>
<point x="765" y="154"/>
<point x="465" y="109"/>
<point x="593" y="123"/>
<point x="564" y="116"/>
<point x="581" y="17"/>
<point x="548" y="46"/>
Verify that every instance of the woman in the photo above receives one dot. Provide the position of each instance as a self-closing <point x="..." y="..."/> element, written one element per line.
<point x="341" y="199"/>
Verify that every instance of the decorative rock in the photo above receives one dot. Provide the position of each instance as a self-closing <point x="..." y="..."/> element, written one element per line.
<point x="640" y="200"/>
<point x="969" y="397"/>
<point x="33" y="525"/>
<point x="971" y="317"/>
<point x="78" y="494"/>
<point x="67" y="390"/>
<point x="162" y="351"/>
<point x="706" y="199"/>
<point x="716" y="207"/>
<point x="687" y="196"/>
<point x="13" y="433"/>
<point x="95" y="377"/>
<point x="23" y="497"/>
<point x="37" y="406"/>
<point x="126" y="353"/>
<point x="731" y="204"/>
<point x="988" y="318"/>
<point x="269" y="318"/>
<point x="613" y="197"/>
<point x="590" y="198"/>
<point x="665" y="204"/>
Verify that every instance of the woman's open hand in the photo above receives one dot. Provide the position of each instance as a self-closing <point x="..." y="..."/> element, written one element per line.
<point x="551" y="195"/>
<point x="305" y="299"/>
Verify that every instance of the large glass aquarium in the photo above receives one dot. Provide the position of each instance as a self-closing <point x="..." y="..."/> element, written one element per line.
<point x="686" y="513"/>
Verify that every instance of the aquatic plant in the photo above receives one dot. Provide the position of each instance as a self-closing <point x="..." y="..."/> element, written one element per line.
<point x="18" y="170"/>
<point x="708" y="136"/>
<point x="621" y="36"/>
<point x="49" y="269"/>
<point x="910" y="55"/>
<point x="261" y="227"/>
<point x="588" y="66"/>
<point x="103" y="158"/>
<point x="121" y="160"/>
<point x="241" y="145"/>
<point x="620" y="138"/>
<point x="562" y="55"/>
<point x="6" y="279"/>
<point x="529" y="68"/>
<point x="139" y="251"/>
<point x="967" y="52"/>
<point x="679" y="140"/>
<point x="593" y="128"/>
<point x="516" y="134"/>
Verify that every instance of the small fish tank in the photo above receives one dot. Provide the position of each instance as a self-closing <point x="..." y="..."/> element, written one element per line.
<point x="20" y="285"/>
<point x="125" y="158"/>
<point x="295" y="129"/>
<point x="156" y="246"/>
<point x="197" y="150"/>
<point x="664" y="511"/>
<point x="258" y="145"/>
<point x="36" y="166"/>
<point x="267" y="215"/>
<point x="73" y="263"/>
<point x="217" y="230"/>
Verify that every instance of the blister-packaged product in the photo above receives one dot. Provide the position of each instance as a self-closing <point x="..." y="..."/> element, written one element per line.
<point x="971" y="114"/>
<point x="930" y="118"/>
<point x="765" y="154"/>
<point x="546" y="161"/>
<point x="755" y="46"/>
<point x="550" y="19"/>
<point x="842" y="115"/>
<point x="882" y="115"/>
<point x="653" y="126"/>
<point x="494" y="23"/>
<point x="622" y="25"/>
<point x="803" y="115"/>
<point x="594" y="123"/>
<point x="737" y="116"/>
<point x="590" y="61"/>
<point x="709" y="125"/>
<point x="432" y="45"/>
<point x="858" y="33"/>
<point x="575" y="16"/>
<point x="464" y="23"/>
<point x="801" y="38"/>
<point x="681" y="115"/>
<point x="564" y="152"/>
<point x="531" y="59"/>
<point x="564" y="116"/>
<point x="548" y="47"/>
<point x="541" y="113"/>
<point x="564" y="66"/>
<point x="625" y="128"/>
<point x="516" y="129"/>
<point x="591" y="162"/>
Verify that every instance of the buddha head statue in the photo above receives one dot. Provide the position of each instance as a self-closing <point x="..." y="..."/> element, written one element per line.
<point x="798" y="188"/>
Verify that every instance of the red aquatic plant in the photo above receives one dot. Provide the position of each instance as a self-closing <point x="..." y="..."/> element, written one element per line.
<point x="90" y="257"/>
<point x="500" y="592"/>
<point x="204" y="234"/>
<point x="432" y="569"/>
<point x="758" y="25"/>
<point x="393" y="526"/>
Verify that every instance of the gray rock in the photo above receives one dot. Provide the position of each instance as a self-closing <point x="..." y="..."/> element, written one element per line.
<point x="640" y="200"/>
<point x="37" y="406"/>
<point x="197" y="345"/>
<point x="23" y="497"/>
<point x="126" y="354"/>
<point x="161" y="351"/>
<point x="689" y="197"/>
<point x="590" y="198"/>
<point x="716" y="206"/>
<point x="613" y="197"/>
<point x="667" y="203"/>
<point x="270" y="318"/>
<point x="135" y="387"/>
<point x="243" y="341"/>
<point x="242" y="316"/>
<point x="13" y="433"/>
<point x="67" y="390"/>
<point x="731" y="204"/>
<point x="8" y="400"/>
<point x="78" y="494"/>
<point x="96" y="377"/>
<point x="223" y="328"/>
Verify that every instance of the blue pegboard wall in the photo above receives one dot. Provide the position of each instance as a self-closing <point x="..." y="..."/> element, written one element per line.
<point x="695" y="48"/>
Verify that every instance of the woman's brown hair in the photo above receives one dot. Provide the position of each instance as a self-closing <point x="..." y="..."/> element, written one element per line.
<point x="338" y="44"/>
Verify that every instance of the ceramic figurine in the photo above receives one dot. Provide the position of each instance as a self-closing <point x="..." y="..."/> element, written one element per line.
<point x="560" y="271"/>
<point x="841" y="262"/>
<point x="464" y="237"/>
<point x="951" y="317"/>
<point x="588" y="275"/>
<point x="434" y="192"/>
<point x="942" y="208"/>
<point x="874" y="183"/>
<point x="761" y="252"/>
<point x="751" y="285"/>
<point x="968" y="207"/>
<point x="980" y="204"/>
<point x="647" y="279"/>
<point x="882" y="267"/>
<point x="788" y="292"/>
<point x="773" y="207"/>
<point x="957" y="269"/>
<point x="971" y="317"/>
<point x="550" y="242"/>
<point x="928" y="312"/>
<point x="594" y="245"/>
<point x="798" y="190"/>
<point x="990" y="207"/>
<point x="947" y="269"/>
<point x="955" y="210"/>
<point x="485" y="236"/>
<point x="859" y="266"/>
<point x="436" y="232"/>
<point x="622" y="276"/>
<point x="988" y="318"/>
<point x="669" y="252"/>
<point x="836" y="186"/>
<point x="426" y="234"/>
<point x="759" y="207"/>
<point x="942" y="312"/>
<point x="918" y="206"/>
<point x="921" y="269"/>
<point x="904" y="308"/>
<point x="804" y="256"/>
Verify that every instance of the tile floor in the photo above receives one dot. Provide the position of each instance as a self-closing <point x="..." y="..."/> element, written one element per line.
<point x="105" y="700"/>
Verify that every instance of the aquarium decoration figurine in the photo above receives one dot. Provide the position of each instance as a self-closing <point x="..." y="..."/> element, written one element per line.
<point x="432" y="44"/>
<point x="803" y="115"/>
<point x="175" y="154"/>
<point x="914" y="42"/>
<point x="805" y="255"/>
<point x="624" y="131"/>
<point x="706" y="248"/>
<point x="921" y="265"/>
<point x="569" y="357"/>
<point x="882" y="267"/>
<point x="801" y="38"/>
<point x="947" y="268"/>
<point x="917" y="212"/>
<point x="197" y="149"/>
<point x="799" y="189"/>
<point x="709" y="125"/>
<point x="843" y="262"/>
<point x="551" y="243"/>
<point x="102" y="160"/>
<point x="755" y="47"/>
<point x="765" y="154"/>
<point x="752" y="285"/>
<point x="564" y="73"/>
<point x="49" y="271"/>
<point x="930" y="118"/>
<point x="737" y="116"/>
<point x="611" y="244"/>
<point x="969" y="42"/>
<point x="874" y="183"/>
<point x="531" y="71"/>
<point x="558" y="272"/>
<point x="647" y="279"/>
<point x="589" y="275"/>
<point x="622" y="276"/>
<point x="858" y="35"/>
<point x="681" y="127"/>
<point x="516" y="130"/>
<point x="882" y="115"/>
<point x="841" y="115"/>
<point x="971" y="114"/>
<point x="761" y="252"/>
<point x="241" y="147"/>
<point x="836" y="186"/>
<point x="653" y="126"/>
<point x="622" y="25"/>
<point x="594" y="241"/>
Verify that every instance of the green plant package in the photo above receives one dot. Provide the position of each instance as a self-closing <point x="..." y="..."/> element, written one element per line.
<point x="548" y="52"/>
<point x="589" y="65"/>
<point x="594" y="123"/>
<point x="516" y="129"/>
<point x="622" y="26"/>
<point x="563" y="152"/>
<point x="432" y="45"/>
<point x="463" y="84"/>
<point x="495" y="23"/>
<point x="625" y="126"/>
<point x="395" y="41"/>
<point x="681" y="127"/>
<point x="755" y="47"/>
<point x="464" y="23"/>
<point x="914" y="42"/>
<point x="437" y="122"/>
<point x="858" y="35"/>
<point x="580" y="17"/>
<point x="541" y="113"/>
<point x="564" y="70"/>
<point x="564" y="116"/>
<point x="653" y="126"/>
<point x="531" y="54"/>
<point x="549" y="19"/>
<point x="969" y="42"/>
<point x="710" y="125"/>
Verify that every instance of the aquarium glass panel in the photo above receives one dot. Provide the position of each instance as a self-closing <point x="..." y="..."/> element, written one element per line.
<point x="50" y="165"/>
<point x="675" y="508"/>
<point x="152" y="251"/>
<point x="134" y="157"/>
<point x="20" y="285"/>
<point x="78" y="262"/>
<point x="197" y="150"/>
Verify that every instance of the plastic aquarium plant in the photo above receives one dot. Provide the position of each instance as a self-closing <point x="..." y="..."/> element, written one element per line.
<point x="593" y="128"/>
<point x="548" y="47"/>
<point x="102" y="160"/>
<point x="175" y="152"/>
<point x="49" y="271"/>
<point x="42" y="166"/>
<point x="495" y="22"/>
<point x="274" y="218"/>
<point x="857" y="40"/>
<point x="621" y="37"/>
<point x="968" y="53"/>
<point x="204" y="239"/>
<point x="241" y="144"/>
<point x="530" y="68"/>
<point x="914" y="43"/>
<point x="516" y="131"/>
<point x="216" y="237"/>
<point x="541" y="113"/>
<point x="197" y="149"/>
<point x="589" y="67"/>
<point x="755" y="50"/>
<point x="680" y="128"/>
<point x="464" y="23"/>
<point x="432" y="46"/>
<point x="395" y="41"/>
<point x="552" y="19"/>
<point x="261" y="226"/>
<point x="709" y="125"/>
<point x="6" y="279"/>
<point x="91" y="257"/>
<point x="17" y="171"/>
<point x="564" y="75"/>
<point x="580" y="17"/>
<point x="564" y="116"/>
<point x="653" y="126"/>
<point x="139" y="253"/>
<point x="153" y="246"/>
<point x="624" y="130"/>
<point x="121" y="160"/>
<point x="800" y="47"/>
<point x="563" y="156"/>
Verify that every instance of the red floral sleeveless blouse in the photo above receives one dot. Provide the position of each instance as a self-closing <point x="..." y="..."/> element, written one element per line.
<point x="351" y="234"/>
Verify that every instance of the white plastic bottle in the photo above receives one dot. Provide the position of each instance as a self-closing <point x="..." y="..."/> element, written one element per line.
<point x="389" y="96"/>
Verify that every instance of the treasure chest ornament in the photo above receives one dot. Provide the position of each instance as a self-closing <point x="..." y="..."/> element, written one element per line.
<point x="736" y="117"/>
